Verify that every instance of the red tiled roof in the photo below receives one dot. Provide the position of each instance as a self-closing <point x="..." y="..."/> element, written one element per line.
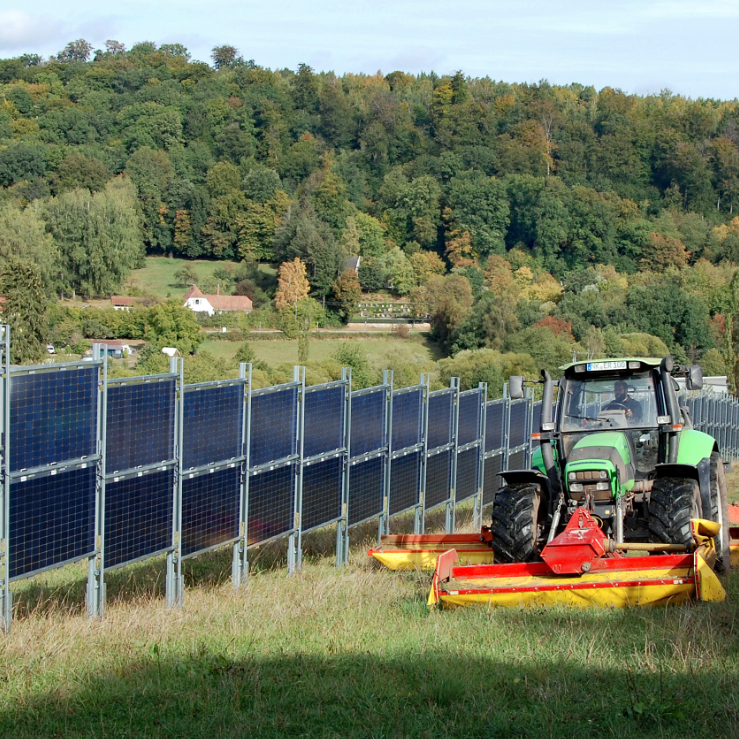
<point x="193" y="292"/>
<point x="229" y="302"/>
<point x="121" y="300"/>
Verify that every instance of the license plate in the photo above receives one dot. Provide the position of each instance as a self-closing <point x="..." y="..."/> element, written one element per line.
<point x="596" y="366"/>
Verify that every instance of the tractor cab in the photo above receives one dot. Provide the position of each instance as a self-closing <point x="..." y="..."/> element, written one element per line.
<point x="614" y="441"/>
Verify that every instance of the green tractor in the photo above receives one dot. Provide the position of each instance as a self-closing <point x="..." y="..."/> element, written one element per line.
<point x="616" y="442"/>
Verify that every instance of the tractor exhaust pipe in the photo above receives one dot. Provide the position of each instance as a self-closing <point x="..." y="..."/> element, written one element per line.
<point x="665" y="369"/>
<point x="547" y="454"/>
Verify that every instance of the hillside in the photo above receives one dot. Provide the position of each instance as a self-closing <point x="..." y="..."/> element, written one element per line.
<point x="579" y="216"/>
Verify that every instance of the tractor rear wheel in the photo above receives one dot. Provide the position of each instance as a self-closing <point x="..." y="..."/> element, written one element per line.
<point x="720" y="511"/>
<point x="518" y="517"/>
<point x="672" y="503"/>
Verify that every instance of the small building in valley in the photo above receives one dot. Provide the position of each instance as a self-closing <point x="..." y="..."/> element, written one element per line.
<point x="198" y="302"/>
<point x="121" y="302"/>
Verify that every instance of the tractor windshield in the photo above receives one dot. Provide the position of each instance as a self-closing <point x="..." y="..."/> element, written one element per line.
<point x="608" y="402"/>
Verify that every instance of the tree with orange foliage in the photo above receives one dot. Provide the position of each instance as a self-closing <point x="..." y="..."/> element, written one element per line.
<point x="292" y="284"/>
<point x="665" y="252"/>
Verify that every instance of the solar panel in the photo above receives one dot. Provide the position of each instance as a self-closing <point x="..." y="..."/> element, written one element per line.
<point x="469" y="417"/>
<point x="53" y="417"/>
<point x="440" y="419"/>
<point x="491" y="482"/>
<point x="273" y="426"/>
<point x="140" y="428"/>
<point x="438" y="478"/>
<point x="212" y="421"/>
<point x="366" y="481"/>
<point x="138" y="517"/>
<point x="494" y="426"/>
<point x="210" y="509"/>
<point x="518" y="433"/>
<point x="368" y="422"/>
<point x="322" y="484"/>
<point x="466" y="474"/>
<point x="52" y="520"/>
<point x="405" y="482"/>
<point x="271" y="503"/>
<point x="323" y="421"/>
<point x="407" y="409"/>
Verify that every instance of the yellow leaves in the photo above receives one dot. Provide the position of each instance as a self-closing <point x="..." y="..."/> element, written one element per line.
<point x="459" y="249"/>
<point x="292" y="284"/>
<point x="722" y="231"/>
<point x="545" y="288"/>
<point x="23" y="127"/>
<point x="665" y="252"/>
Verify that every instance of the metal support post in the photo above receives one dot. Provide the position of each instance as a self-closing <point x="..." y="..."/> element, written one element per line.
<point x="450" y="523"/>
<point x="506" y="427"/>
<point x="6" y="596"/>
<point x="342" y="525"/>
<point x="96" y="563"/>
<point x="384" y="519"/>
<point x="174" y="594"/>
<point x="240" y="564"/>
<point x="295" y="541"/>
<point x="477" y="509"/>
<point x="419" y="523"/>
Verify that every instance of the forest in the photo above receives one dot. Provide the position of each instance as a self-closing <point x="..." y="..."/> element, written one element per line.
<point x="528" y="221"/>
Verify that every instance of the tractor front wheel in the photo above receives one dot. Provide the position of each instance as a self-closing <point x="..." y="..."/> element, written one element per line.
<point x="518" y="523"/>
<point x="672" y="503"/>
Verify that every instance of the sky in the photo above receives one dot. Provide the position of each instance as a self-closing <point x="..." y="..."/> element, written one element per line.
<point x="687" y="46"/>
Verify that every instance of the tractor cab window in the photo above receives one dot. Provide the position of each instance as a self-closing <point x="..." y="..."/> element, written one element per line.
<point x="602" y="403"/>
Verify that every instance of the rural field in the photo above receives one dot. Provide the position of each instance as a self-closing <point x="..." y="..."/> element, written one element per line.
<point x="354" y="652"/>
<point x="377" y="349"/>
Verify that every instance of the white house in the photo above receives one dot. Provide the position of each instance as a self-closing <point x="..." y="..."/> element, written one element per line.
<point x="196" y="301"/>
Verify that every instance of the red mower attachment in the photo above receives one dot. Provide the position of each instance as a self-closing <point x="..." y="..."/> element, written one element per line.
<point x="582" y="567"/>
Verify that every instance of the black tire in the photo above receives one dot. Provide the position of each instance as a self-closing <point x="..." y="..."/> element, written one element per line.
<point x="720" y="511"/>
<point x="518" y="516"/>
<point x="672" y="503"/>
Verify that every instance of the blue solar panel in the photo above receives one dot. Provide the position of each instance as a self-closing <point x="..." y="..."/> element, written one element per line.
<point x="518" y="433"/>
<point x="469" y="417"/>
<point x="440" y="419"/>
<point x="140" y="424"/>
<point x="210" y="509"/>
<point x="212" y="424"/>
<point x="138" y="517"/>
<point x="52" y="520"/>
<point x="517" y="460"/>
<point x="491" y="482"/>
<point x="368" y="422"/>
<point x="366" y="480"/>
<point x="466" y="474"/>
<point x="405" y="479"/>
<point x="407" y="408"/>
<point x="324" y="421"/>
<point x="53" y="417"/>
<point x="438" y="478"/>
<point x="271" y="503"/>
<point x="322" y="483"/>
<point x="494" y="426"/>
<point x="273" y="426"/>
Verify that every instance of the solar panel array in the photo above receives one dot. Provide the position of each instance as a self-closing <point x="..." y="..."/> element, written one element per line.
<point x="190" y="468"/>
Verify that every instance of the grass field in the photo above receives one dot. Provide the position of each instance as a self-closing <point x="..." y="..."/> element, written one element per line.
<point x="157" y="280"/>
<point x="353" y="652"/>
<point x="378" y="349"/>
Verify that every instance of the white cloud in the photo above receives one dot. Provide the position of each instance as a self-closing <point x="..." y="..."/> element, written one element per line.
<point x="21" y="31"/>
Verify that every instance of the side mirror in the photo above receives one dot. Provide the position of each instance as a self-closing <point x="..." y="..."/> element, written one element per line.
<point x="515" y="387"/>
<point x="694" y="378"/>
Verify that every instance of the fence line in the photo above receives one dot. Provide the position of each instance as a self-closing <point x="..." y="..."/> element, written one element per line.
<point x="116" y="471"/>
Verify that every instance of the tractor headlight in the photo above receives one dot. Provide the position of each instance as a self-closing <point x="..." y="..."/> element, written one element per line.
<point x="603" y="486"/>
<point x="572" y="476"/>
<point x="603" y="476"/>
<point x="576" y="487"/>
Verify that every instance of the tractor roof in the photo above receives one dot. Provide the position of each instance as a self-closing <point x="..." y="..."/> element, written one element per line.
<point x="650" y="361"/>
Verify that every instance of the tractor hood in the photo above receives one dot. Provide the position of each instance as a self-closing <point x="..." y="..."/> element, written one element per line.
<point x="607" y="450"/>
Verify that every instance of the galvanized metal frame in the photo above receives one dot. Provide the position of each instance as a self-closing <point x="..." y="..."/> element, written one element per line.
<point x="450" y="523"/>
<point x="240" y="562"/>
<point x="295" y="538"/>
<point x="384" y="519"/>
<point x="6" y="595"/>
<point x="477" y="505"/>
<point x="382" y="452"/>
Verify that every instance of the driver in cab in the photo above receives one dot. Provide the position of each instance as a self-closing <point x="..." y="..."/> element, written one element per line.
<point x="622" y="402"/>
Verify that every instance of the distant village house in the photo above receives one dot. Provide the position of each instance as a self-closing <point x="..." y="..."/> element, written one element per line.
<point x="196" y="301"/>
<point x="121" y="302"/>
